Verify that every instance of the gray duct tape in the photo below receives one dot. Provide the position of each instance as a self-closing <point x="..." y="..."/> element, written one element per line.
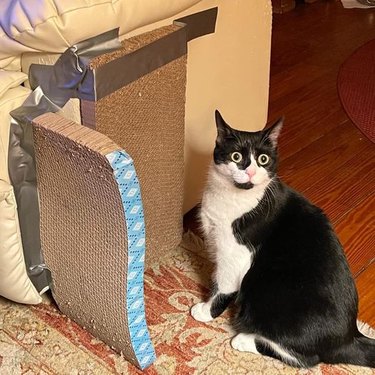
<point x="23" y="176"/>
<point x="128" y="68"/>
<point x="70" y="76"/>
<point x="53" y="87"/>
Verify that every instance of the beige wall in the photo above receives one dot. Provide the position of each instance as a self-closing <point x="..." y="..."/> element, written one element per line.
<point x="229" y="71"/>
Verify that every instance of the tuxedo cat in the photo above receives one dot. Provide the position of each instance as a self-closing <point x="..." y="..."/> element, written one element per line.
<point x="277" y="255"/>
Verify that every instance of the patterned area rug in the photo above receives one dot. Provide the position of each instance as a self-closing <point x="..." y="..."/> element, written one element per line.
<point x="356" y="88"/>
<point x="40" y="340"/>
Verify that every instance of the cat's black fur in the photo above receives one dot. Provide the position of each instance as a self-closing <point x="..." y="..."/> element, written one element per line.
<point x="299" y="291"/>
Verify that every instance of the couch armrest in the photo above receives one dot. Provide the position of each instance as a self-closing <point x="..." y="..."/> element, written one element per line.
<point x="55" y="25"/>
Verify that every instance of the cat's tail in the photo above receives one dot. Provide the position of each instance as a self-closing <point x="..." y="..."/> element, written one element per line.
<point x="360" y="352"/>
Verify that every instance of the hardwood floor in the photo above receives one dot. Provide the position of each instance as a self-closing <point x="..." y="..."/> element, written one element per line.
<point x="323" y="155"/>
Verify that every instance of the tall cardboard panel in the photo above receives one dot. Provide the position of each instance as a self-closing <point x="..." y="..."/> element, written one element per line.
<point x="140" y="105"/>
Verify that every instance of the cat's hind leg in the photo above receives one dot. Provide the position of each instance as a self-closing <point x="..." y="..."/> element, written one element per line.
<point x="245" y="342"/>
<point x="253" y="343"/>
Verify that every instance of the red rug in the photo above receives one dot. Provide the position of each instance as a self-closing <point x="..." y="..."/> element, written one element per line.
<point x="356" y="86"/>
<point x="39" y="340"/>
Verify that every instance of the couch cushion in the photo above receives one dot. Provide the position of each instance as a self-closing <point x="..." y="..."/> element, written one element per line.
<point x="14" y="282"/>
<point x="10" y="80"/>
<point x="54" y="25"/>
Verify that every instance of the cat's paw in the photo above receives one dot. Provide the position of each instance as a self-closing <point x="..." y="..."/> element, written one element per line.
<point x="244" y="343"/>
<point x="201" y="312"/>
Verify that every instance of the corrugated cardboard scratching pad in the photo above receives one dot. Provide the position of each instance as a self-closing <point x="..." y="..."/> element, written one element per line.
<point x="146" y="118"/>
<point x="92" y="233"/>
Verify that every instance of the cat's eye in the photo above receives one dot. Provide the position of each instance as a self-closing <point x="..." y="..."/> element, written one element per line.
<point x="236" y="156"/>
<point x="263" y="159"/>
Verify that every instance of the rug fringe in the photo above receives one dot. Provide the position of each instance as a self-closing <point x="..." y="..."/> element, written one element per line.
<point x="366" y="329"/>
<point x="192" y="242"/>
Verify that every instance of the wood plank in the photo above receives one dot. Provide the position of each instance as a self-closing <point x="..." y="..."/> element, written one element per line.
<point x="365" y="285"/>
<point x="297" y="90"/>
<point x="304" y="124"/>
<point x="289" y="82"/>
<point x="356" y="233"/>
<point x="345" y="185"/>
<point x="324" y="157"/>
<point x="320" y="32"/>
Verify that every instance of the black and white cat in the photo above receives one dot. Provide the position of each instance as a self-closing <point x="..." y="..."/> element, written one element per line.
<point x="278" y="256"/>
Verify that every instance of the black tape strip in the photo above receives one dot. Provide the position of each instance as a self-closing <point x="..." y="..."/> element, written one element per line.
<point x="128" y="68"/>
<point x="199" y="24"/>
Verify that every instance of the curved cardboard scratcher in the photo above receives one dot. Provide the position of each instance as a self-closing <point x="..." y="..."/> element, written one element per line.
<point x="93" y="233"/>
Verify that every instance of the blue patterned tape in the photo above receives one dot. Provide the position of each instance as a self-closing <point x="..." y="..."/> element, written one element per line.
<point x="127" y="181"/>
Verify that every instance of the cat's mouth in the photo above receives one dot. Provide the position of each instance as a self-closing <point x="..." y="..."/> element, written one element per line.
<point x="242" y="180"/>
<point x="245" y="185"/>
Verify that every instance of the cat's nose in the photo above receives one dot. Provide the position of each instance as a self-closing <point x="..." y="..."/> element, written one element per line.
<point x="250" y="171"/>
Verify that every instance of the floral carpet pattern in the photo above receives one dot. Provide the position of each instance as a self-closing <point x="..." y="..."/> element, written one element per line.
<point x="40" y="340"/>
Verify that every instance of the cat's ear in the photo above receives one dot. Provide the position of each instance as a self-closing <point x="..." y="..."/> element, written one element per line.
<point x="223" y="129"/>
<point x="273" y="132"/>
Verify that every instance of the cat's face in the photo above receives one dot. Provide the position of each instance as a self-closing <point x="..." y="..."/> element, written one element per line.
<point x="246" y="158"/>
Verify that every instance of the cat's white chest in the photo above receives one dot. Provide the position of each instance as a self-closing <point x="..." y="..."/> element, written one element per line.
<point x="222" y="203"/>
<point x="219" y="209"/>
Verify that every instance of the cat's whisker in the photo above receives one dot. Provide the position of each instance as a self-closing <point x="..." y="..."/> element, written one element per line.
<point x="270" y="195"/>
<point x="282" y="176"/>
